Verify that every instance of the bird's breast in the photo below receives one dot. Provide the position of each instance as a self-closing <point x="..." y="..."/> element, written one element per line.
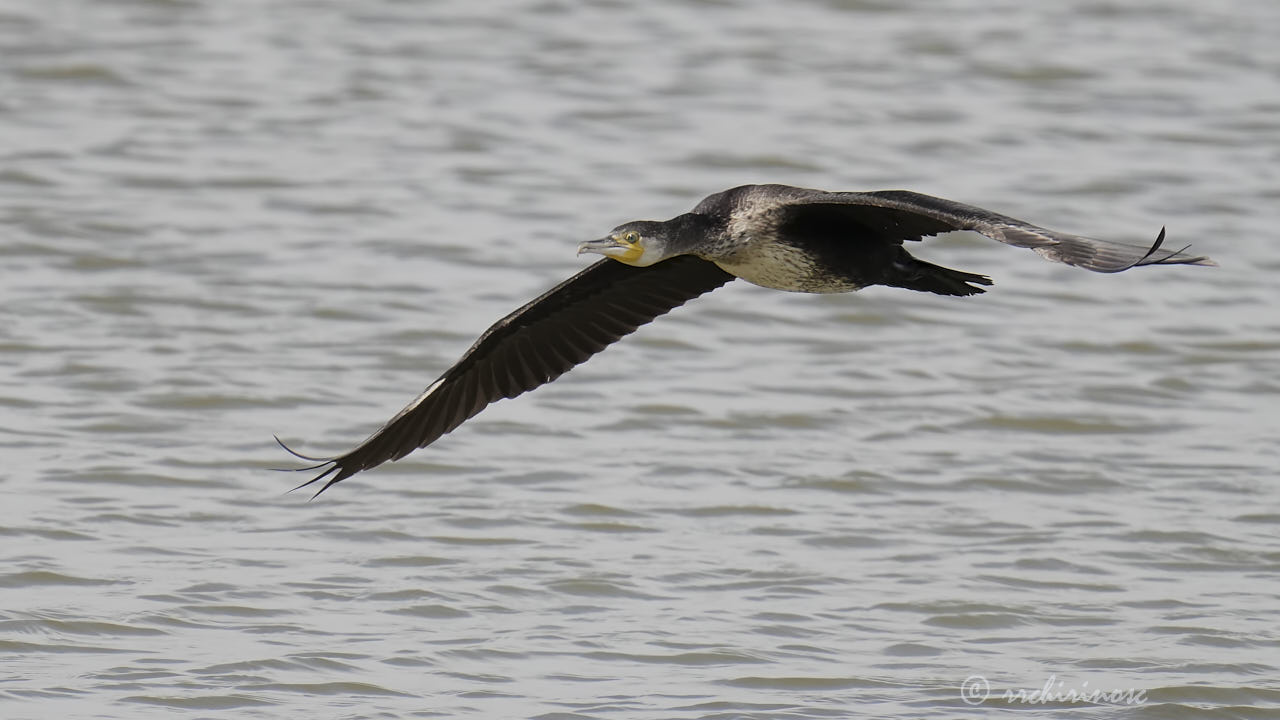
<point x="780" y="266"/>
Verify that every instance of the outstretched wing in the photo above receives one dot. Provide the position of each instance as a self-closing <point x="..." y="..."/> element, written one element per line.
<point x="530" y="347"/>
<point x="900" y="215"/>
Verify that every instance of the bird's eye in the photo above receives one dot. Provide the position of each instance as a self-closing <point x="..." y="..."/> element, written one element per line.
<point x="632" y="237"/>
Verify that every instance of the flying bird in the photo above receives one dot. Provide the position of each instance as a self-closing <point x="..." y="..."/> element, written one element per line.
<point x="775" y="236"/>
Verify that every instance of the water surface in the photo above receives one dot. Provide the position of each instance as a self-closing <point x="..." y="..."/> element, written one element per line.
<point x="224" y="220"/>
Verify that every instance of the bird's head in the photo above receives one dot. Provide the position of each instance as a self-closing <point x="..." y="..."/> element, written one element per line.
<point x="645" y="242"/>
<point x="640" y="243"/>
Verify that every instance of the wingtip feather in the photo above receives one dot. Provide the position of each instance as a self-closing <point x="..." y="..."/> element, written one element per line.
<point x="1175" y="257"/>
<point x="330" y="466"/>
<point x="299" y="455"/>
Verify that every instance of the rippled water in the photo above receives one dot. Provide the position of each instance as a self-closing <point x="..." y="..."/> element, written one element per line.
<point x="223" y="220"/>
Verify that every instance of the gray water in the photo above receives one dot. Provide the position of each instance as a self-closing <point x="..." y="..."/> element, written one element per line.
<point x="221" y="220"/>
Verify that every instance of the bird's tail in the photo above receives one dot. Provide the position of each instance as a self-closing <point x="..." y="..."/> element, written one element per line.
<point x="913" y="274"/>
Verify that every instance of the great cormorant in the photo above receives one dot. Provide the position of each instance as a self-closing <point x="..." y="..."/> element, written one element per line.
<point x="776" y="236"/>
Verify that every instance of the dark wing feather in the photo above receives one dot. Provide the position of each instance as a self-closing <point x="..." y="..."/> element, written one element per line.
<point x="530" y="347"/>
<point x="905" y="215"/>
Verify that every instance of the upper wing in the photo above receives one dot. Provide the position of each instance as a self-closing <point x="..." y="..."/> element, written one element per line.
<point x="903" y="215"/>
<point x="530" y="347"/>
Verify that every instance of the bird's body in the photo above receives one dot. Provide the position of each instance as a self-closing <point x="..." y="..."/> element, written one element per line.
<point x="778" y="237"/>
<point x="775" y="236"/>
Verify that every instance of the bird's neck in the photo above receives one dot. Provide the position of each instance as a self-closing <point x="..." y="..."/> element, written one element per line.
<point x="692" y="231"/>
